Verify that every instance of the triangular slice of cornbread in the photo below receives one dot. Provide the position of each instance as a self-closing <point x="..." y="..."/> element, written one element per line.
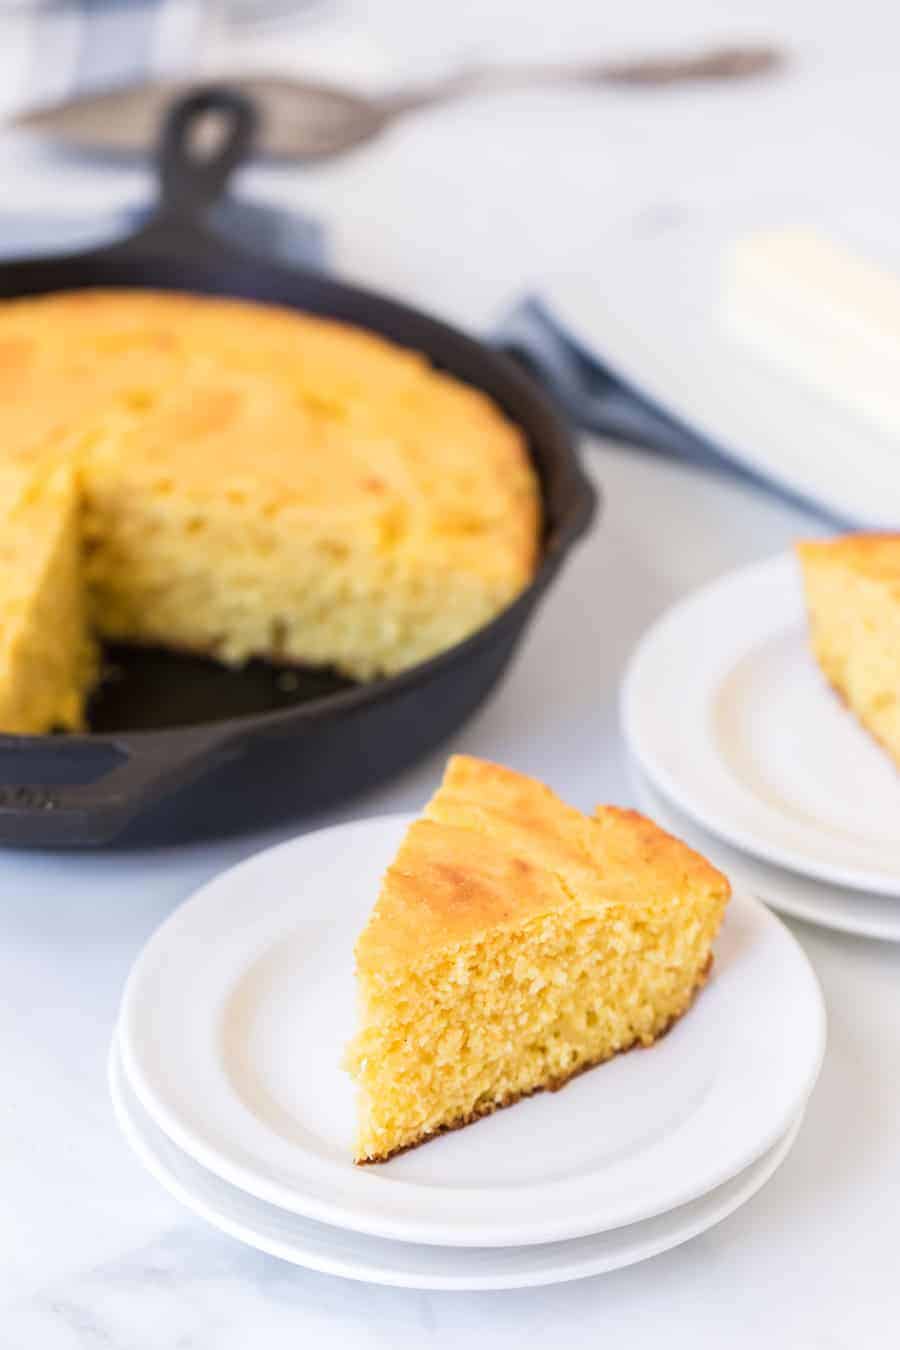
<point x="47" y="659"/>
<point x="852" y="587"/>
<point x="516" y="942"/>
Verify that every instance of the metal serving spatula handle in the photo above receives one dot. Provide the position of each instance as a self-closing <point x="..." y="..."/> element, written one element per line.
<point x="307" y="120"/>
<point x="725" y="63"/>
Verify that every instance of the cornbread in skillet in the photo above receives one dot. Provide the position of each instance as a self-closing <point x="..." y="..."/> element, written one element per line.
<point x="47" y="659"/>
<point x="258" y="482"/>
<point x="515" y="943"/>
<point x="852" y="587"/>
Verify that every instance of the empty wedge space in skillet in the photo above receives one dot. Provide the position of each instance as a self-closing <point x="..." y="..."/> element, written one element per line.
<point x="516" y="943"/>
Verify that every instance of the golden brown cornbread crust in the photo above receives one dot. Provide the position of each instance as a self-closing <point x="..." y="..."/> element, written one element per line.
<point x="871" y="557"/>
<point x="873" y="552"/>
<point x="258" y="481"/>
<point x="554" y="1085"/>
<point x="495" y="845"/>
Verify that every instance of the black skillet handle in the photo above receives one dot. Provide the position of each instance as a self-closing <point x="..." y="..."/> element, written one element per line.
<point x="205" y="137"/>
<point x="192" y="179"/>
<point x="140" y="770"/>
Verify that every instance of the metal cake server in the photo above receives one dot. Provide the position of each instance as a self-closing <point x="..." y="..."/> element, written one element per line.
<point x="307" y="119"/>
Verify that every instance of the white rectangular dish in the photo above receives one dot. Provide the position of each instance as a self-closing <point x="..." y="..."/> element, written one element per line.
<point x="654" y="313"/>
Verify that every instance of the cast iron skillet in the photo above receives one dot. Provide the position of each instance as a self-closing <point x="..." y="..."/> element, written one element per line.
<point x="251" y="742"/>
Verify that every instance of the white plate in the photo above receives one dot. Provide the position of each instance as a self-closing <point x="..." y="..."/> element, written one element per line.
<point x="654" y="316"/>
<point x="337" y="1251"/>
<point x="236" y="1013"/>
<point x="848" y="911"/>
<point x="728" y="714"/>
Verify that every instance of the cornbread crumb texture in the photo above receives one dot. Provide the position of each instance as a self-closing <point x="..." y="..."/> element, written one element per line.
<point x="852" y="589"/>
<point x="260" y="482"/>
<point x="515" y="942"/>
<point x="47" y="659"/>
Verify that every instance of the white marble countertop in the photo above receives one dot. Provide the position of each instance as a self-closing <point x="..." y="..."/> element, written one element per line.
<point x="461" y="210"/>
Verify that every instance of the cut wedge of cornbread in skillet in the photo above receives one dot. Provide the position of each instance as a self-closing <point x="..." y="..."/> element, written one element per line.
<point x="515" y="943"/>
<point x="852" y="587"/>
<point x="261" y="482"/>
<point x="47" y="659"/>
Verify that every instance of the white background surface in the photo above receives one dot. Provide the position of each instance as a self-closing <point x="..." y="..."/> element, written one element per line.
<point x="462" y="210"/>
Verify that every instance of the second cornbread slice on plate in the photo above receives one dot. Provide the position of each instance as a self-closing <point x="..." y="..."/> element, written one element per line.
<point x="515" y="943"/>
<point x="852" y="587"/>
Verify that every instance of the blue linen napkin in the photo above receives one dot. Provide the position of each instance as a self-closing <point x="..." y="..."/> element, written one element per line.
<point x="593" y="396"/>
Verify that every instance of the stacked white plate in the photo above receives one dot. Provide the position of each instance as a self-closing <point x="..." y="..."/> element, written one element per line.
<point x="226" y="1079"/>
<point x="743" y="750"/>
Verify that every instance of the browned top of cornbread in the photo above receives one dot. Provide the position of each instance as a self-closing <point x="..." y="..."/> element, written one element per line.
<point x="288" y="411"/>
<point x="875" y="556"/>
<point x="497" y="847"/>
